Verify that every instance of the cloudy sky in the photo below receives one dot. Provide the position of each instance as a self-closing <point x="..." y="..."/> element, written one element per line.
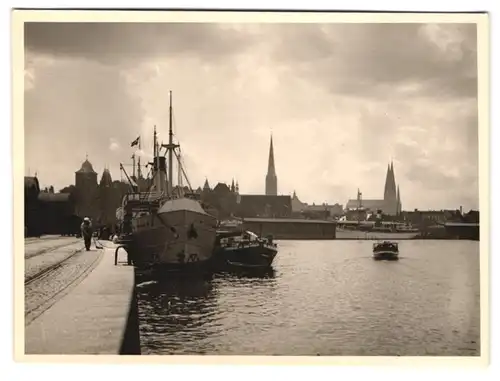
<point x="341" y="101"/>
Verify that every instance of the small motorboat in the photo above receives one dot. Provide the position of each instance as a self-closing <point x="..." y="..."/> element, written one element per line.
<point x="386" y="250"/>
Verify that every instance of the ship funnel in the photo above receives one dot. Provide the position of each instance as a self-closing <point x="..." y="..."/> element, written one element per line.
<point x="160" y="170"/>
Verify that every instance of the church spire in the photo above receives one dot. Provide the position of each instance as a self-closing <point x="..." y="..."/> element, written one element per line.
<point x="206" y="186"/>
<point x="271" y="179"/>
<point x="393" y="179"/>
<point x="387" y="183"/>
<point x="270" y="165"/>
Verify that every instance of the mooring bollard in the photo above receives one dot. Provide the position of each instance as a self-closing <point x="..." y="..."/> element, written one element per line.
<point x="116" y="255"/>
<point x="129" y="258"/>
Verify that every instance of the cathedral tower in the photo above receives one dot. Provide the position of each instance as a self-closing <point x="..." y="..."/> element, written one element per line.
<point x="390" y="192"/>
<point x="271" y="179"/>
<point x="107" y="207"/>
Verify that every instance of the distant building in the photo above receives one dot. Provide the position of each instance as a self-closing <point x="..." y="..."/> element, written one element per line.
<point x="472" y="217"/>
<point x="32" y="215"/>
<point x="221" y="200"/>
<point x="265" y="206"/>
<point x="324" y="210"/>
<point x="269" y="204"/>
<point x="99" y="201"/>
<point x="58" y="213"/>
<point x="433" y="217"/>
<point x="226" y="200"/>
<point x="389" y="205"/>
<point x="46" y="212"/>
<point x="109" y="199"/>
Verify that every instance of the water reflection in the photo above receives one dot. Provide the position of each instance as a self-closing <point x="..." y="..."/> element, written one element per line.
<point x="327" y="298"/>
<point x="180" y="313"/>
<point x="250" y="273"/>
<point x="173" y="311"/>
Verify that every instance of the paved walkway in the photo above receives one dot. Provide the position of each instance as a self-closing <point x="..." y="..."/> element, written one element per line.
<point x="98" y="316"/>
<point x="37" y="246"/>
<point x="50" y="256"/>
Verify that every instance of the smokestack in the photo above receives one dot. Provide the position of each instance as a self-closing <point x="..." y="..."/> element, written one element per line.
<point x="461" y="209"/>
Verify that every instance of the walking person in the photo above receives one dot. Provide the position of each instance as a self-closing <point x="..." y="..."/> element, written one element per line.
<point x="86" y="228"/>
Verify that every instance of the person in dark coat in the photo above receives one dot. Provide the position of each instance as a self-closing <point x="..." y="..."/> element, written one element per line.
<point x="86" y="228"/>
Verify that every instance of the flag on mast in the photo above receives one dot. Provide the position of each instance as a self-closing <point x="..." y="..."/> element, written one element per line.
<point x="136" y="142"/>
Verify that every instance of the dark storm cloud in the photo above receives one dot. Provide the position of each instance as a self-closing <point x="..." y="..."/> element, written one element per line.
<point x="356" y="59"/>
<point x="125" y="42"/>
<point x="369" y="58"/>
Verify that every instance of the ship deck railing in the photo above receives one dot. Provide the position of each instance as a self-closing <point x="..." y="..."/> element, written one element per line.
<point x="383" y="244"/>
<point x="247" y="244"/>
<point x="142" y="201"/>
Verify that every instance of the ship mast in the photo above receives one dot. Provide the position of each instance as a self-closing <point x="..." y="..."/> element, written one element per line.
<point x="179" y="174"/>
<point x="171" y="148"/>
<point x="133" y="166"/>
<point x="154" y="142"/>
<point x="139" y="173"/>
<point x="156" y="164"/>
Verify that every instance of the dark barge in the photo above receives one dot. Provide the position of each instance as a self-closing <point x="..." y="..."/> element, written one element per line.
<point x="243" y="249"/>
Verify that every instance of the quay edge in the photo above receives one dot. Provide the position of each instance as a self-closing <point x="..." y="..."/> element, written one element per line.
<point x="98" y="316"/>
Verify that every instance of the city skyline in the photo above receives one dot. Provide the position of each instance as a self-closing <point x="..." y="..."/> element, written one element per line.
<point x="339" y="108"/>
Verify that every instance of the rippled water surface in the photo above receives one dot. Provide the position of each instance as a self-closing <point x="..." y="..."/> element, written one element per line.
<point x="327" y="298"/>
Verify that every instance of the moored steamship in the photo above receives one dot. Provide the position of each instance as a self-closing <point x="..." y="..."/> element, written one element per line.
<point x="162" y="227"/>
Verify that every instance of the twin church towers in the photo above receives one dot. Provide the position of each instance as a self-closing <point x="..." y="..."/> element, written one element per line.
<point x="390" y="204"/>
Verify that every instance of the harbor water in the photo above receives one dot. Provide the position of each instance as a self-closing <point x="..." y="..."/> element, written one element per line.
<point x="325" y="298"/>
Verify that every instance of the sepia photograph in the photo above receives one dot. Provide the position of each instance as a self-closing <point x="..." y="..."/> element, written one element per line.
<point x="251" y="184"/>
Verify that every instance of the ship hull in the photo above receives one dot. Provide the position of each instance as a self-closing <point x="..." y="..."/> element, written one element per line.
<point x="175" y="240"/>
<point x="386" y="255"/>
<point x="258" y="256"/>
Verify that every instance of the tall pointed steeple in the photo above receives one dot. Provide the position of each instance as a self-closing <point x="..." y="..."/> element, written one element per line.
<point x="206" y="186"/>
<point x="271" y="178"/>
<point x="390" y="193"/>
<point x="387" y="183"/>
<point x="393" y="178"/>
<point x="271" y="170"/>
